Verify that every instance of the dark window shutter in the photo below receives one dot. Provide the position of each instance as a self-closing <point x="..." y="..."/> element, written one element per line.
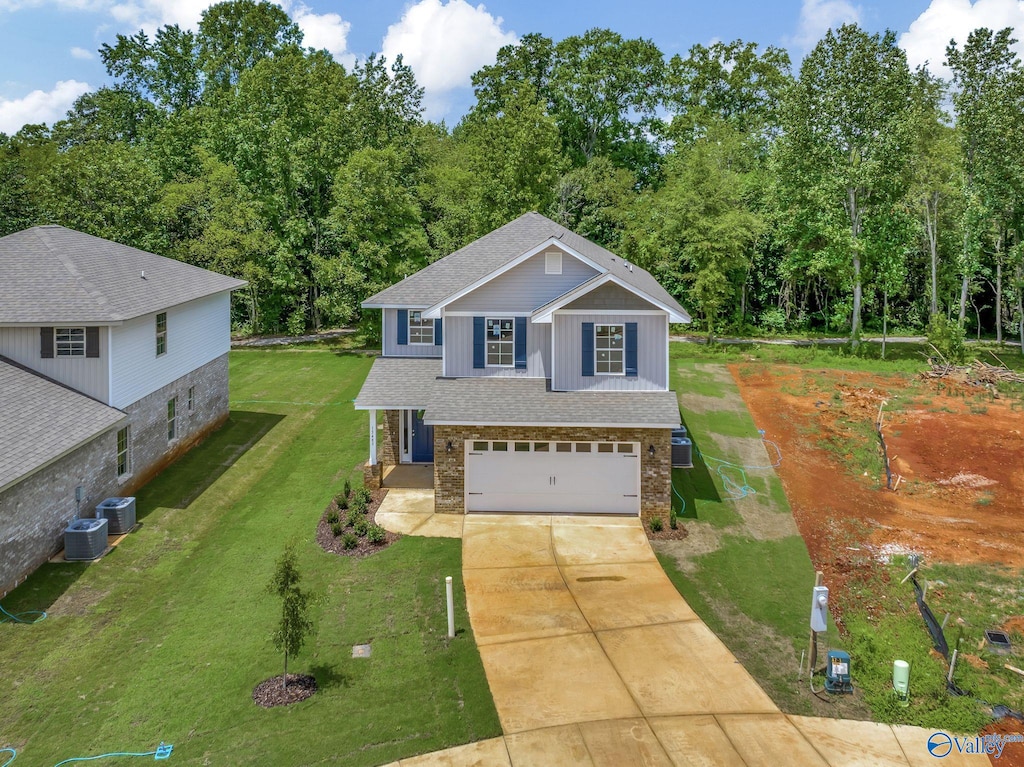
<point x="92" y="342"/>
<point x="438" y="324"/>
<point x="520" y="343"/>
<point x="587" y="363"/>
<point x="631" y="349"/>
<point x="479" y="342"/>
<point x="46" y="343"/>
<point x="403" y="327"/>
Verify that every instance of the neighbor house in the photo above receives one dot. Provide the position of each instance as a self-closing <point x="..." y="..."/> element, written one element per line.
<point x="531" y="369"/>
<point x="113" y="361"/>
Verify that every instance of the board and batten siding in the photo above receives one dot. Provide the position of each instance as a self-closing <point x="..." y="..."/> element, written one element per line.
<point x="198" y="332"/>
<point x="652" y="356"/>
<point x="85" y="374"/>
<point x="391" y="346"/>
<point x="458" y="350"/>
<point x="524" y="287"/>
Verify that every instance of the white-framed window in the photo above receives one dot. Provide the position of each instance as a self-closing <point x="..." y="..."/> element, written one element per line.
<point x="191" y="398"/>
<point x="69" y="342"/>
<point x="124" y="464"/>
<point x="609" y="350"/>
<point x="421" y="331"/>
<point x="553" y="262"/>
<point x="161" y="333"/>
<point x="172" y="418"/>
<point x="501" y="342"/>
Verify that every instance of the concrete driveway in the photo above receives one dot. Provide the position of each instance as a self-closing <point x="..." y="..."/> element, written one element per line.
<point x="594" y="659"/>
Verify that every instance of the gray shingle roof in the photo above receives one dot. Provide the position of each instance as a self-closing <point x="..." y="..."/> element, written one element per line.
<point x="395" y="382"/>
<point x="40" y="421"/>
<point x="492" y="251"/>
<point x="51" y="275"/>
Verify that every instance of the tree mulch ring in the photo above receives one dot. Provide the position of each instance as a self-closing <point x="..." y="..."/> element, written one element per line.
<point x="336" y="543"/>
<point x="271" y="692"/>
<point x="666" y="533"/>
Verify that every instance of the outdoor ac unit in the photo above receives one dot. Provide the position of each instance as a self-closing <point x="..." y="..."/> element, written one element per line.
<point x="85" y="539"/>
<point x="119" y="513"/>
<point x="682" y="449"/>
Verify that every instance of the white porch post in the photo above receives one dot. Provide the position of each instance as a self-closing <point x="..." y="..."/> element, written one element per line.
<point x="373" y="437"/>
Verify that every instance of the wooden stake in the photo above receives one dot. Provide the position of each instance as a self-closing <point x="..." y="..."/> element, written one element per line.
<point x="812" y="657"/>
<point x="1014" y="669"/>
<point x="909" y="575"/>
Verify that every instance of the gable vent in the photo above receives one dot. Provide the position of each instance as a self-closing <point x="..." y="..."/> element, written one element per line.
<point x="553" y="262"/>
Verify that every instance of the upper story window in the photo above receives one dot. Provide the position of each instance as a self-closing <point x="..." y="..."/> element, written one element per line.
<point x="421" y="331"/>
<point x="161" y="333"/>
<point x="501" y="336"/>
<point x="609" y="350"/>
<point x="69" y="342"/>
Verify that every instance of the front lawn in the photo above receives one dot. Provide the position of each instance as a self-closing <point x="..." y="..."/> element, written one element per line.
<point x="165" y="638"/>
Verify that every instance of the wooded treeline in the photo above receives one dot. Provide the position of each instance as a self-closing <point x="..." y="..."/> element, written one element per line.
<point x="851" y="194"/>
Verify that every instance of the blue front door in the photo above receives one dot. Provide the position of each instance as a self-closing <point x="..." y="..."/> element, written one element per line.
<point x="422" y="439"/>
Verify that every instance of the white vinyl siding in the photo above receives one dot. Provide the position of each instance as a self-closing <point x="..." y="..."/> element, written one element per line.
<point x="652" y="357"/>
<point x="458" y="351"/>
<point x="198" y="332"/>
<point x="85" y="374"/>
<point x="524" y="287"/>
<point x="390" y="344"/>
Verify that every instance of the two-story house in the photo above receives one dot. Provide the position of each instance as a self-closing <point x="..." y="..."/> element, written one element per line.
<point x="531" y="369"/>
<point x="113" y="361"/>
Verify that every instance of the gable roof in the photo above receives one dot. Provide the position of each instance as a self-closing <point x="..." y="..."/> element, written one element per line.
<point x="52" y="275"/>
<point x="543" y="313"/>
<point x="473" y="263"/>
<point x="42" y="420"/>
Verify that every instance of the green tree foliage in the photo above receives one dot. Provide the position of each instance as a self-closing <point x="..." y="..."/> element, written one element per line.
<point x="594" y="201"/>
<point x="294" y="625"/>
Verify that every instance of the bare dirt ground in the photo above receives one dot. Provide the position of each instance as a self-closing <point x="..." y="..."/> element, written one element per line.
<point x="961" y="456"/>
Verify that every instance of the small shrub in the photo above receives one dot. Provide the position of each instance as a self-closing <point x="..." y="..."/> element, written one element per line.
<point x="342" y="502"/>
<point x="337" y="528"/>
<point x="332" y="517"/>
<point x="947" y="336"/>
<point x="347" y="491"/>
<point x="349" y="541"/>
<point x="361" y="527"/>
<point x="376" y="535"/>
<point x="656" y="525"/>
<point x="358" y="504"/>
<point x="354" y="515"/>
<point x="362" y="495"/>
<point x="673" y="520"/>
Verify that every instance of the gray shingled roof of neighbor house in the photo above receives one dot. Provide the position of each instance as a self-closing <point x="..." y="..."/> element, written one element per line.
<point x="397" y="383"/>
<point x="527" y="401"/>
<point x="481" y="257"/>
<point x="41" y="420"/>
<point x="51" y="275"/>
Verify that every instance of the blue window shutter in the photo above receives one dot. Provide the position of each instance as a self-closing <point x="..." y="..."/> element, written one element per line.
<point x="631" y="349"/>
<point x="479" y="343"/>
<point x="520" y="343"/>
<point x="587" y="363"/>
<point x="437" y="331"/>
<point x="403" y="327"/>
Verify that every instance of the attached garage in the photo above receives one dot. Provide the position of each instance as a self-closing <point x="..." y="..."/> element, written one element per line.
<point x="552" y="476"/>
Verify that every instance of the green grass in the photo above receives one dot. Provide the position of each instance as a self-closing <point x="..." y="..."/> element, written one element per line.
<point x="903" y="358"/>
<point x="165" y="638"/>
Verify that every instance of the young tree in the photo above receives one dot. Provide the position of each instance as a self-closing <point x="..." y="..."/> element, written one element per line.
<point x="846" y="142"/>
<point x="294" y="625"/>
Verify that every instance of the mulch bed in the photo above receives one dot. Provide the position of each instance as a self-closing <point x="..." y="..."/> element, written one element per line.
<point x="329" y="542"/>
<point x="666" y="533"/>
<point x="269" y="693"/>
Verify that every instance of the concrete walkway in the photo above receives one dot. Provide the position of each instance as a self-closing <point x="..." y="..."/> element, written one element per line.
<point x="594" y="659"/>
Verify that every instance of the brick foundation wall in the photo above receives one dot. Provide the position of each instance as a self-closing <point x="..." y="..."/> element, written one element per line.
<point x="655" y="471"/>
<point x="34" y="512"/>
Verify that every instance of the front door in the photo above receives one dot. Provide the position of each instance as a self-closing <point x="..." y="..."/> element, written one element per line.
<point x="422" y="439"/>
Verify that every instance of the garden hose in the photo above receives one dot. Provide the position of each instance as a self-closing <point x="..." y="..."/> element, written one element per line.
<point x="20" y="618"/>
<point x="163" y="751"/>
<point x="12" y="752"/>
<point x="738" y="488"/>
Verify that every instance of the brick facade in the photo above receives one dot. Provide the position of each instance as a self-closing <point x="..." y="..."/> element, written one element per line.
<point x="655" y="471"/>
<point x="34" y="512"/>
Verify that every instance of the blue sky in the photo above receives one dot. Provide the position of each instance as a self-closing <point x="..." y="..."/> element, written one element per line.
<point x="48" y="47"/>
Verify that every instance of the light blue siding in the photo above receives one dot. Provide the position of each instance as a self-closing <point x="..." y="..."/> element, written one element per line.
<point x="458" y="350"/>
<point x="652" y="345"/>
<point x="524" y="287"/>
<point x="391" y="347"/>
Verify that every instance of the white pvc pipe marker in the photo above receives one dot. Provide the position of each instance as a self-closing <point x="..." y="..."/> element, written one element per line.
<point x="451" y="607"/>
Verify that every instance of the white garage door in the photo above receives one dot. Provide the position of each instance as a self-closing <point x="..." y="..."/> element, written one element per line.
<point x="553" y="477"/>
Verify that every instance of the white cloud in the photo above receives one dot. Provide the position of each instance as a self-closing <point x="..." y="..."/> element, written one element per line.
<point x="40" y="106"/>
<point x="445" y="43"/>
<point x="81" y="53"/>
<point x="819" y="16"/>
<point x="324" y="30"/>
<point x="945" y="20"/>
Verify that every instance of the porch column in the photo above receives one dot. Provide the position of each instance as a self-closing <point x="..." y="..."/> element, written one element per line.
<point x="373" y="437"/>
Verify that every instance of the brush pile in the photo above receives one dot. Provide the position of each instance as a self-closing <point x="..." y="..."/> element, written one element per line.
<point x="977" y="373"/>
